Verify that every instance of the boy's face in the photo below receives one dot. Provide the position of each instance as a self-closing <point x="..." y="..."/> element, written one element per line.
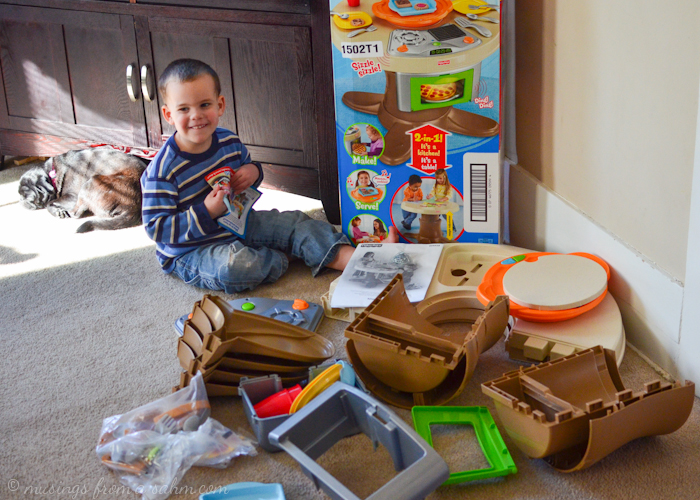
<point x="415" y="187"/>
<point x="193" y="108"/>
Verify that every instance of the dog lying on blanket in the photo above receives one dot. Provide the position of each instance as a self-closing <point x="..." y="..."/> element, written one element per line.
<point x="98" y="181"/>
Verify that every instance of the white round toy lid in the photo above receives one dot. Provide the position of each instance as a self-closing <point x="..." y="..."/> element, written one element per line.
<point x="555" y="282"/>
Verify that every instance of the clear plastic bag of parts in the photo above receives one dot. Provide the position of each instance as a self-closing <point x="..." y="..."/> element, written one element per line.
<point x="151" y="447"/>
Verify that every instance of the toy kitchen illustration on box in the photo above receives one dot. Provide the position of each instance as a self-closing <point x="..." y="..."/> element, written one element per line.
<point x="417" y="100"/>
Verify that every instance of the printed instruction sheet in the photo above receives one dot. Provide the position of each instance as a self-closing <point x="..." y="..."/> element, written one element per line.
<point x="373" y="265"/>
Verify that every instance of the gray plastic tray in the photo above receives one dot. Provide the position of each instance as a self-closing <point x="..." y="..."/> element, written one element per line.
<point x="342" y="411"/>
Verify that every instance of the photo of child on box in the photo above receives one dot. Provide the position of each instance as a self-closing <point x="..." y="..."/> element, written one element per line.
<point x="422" y="86"/>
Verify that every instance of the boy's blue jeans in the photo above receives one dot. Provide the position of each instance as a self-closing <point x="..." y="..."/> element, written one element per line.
<point x="261" y="257"/>
<point x="408" y="217"/>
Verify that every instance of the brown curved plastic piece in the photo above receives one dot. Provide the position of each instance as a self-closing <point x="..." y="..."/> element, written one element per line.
<point x="201" y="321"/>
<point x="405" y="359"/>
<point x="575" y="411"/>
<point x="220" y="376"/>
<point x="242" y="332"/>
<point x="312" y="350"/>
<point x="225" y="345"/>
<point x="233" y="361"/>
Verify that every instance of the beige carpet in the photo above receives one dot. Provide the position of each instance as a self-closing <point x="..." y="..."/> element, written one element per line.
<point x="87" y="332"/>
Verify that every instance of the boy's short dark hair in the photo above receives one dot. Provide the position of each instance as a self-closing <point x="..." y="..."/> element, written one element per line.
<point x="186" y="70"/>
<point x="414" y="179"/>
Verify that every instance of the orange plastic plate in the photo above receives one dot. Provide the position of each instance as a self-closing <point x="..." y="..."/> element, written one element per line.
<point x="492" y="286"/>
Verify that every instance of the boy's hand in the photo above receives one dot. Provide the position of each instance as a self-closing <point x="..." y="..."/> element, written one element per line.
<point x="244" y="177"/>
<point x="214" y="202"/>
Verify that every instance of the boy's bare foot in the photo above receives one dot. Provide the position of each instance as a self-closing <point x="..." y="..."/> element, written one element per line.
<point x="341" y="258"/>
<point x="345" y="252"/>
<point x="393" y="235"/>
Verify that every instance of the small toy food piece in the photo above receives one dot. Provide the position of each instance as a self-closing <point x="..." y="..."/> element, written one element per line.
<point x="420" y="6"/>
<point x="438" y="92"/>
<point x="368" y="191"/>
<point x="402" y="4"/>
<point x="358" y="149"/>
<point x="357" y="21"/>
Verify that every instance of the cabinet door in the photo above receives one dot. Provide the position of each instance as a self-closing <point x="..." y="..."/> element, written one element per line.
<point x="267" y="81"/>
<point x="64" y="74"/>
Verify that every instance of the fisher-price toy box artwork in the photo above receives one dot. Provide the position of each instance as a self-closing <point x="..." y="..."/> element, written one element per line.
<point x="417" y="93"/>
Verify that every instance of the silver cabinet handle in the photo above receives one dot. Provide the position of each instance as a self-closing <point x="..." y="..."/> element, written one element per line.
<point x="144" y="84"/>
<point x="130" y="83"/>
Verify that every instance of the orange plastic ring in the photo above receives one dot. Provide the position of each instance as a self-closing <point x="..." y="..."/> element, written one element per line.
<point x="492" y="286"/>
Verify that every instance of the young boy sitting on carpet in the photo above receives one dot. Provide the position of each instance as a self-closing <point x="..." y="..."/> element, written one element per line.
<point x="180" y="208"/>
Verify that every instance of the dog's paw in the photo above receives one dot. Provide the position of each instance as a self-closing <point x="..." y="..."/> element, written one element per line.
<point x="58" y="211"/>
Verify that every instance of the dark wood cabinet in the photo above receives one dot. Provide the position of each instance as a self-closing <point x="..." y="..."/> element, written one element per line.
<point x="65" y="85"/>
<point x="63" y="74"/>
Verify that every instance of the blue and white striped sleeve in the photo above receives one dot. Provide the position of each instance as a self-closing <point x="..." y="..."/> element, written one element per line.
<point x="163" y="221"/>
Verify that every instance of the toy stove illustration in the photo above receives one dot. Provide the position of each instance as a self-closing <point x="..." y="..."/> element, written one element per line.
<point x="416" y="92"/>
<point x="445" y="39"/>
<point x="413" y="99"/>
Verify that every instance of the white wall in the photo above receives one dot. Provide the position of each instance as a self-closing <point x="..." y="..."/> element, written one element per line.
<point x="607" y="99"/>
<point x="607" y="124"/>
<point x="688" y="359"/>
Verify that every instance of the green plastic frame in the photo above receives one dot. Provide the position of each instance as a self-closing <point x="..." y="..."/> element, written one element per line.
<point x="486" y="431"/>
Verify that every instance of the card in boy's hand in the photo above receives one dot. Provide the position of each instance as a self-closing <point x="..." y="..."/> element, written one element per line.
<point x="239" y="205"/>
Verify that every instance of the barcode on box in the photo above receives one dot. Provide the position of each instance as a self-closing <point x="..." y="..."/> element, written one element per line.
<point x="477" y="187"/>
<point x="481" y="194"/>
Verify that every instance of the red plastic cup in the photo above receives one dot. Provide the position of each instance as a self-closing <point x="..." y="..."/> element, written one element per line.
<point x="278" y="404"/>
<point x="353" y="3"/>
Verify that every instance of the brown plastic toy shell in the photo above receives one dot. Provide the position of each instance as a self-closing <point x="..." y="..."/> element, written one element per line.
<point x="226" y="345"/>
<point x="233" y="361"/>
<point x="237" y="331"/>
<point x="405" y="359"/>
<point x="575" y="411"/>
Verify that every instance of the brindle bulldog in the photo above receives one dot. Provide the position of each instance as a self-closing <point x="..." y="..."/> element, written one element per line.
<point x="98" y="181"/>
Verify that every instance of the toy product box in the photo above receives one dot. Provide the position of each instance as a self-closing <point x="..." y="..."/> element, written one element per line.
<point x="417" y="101"/>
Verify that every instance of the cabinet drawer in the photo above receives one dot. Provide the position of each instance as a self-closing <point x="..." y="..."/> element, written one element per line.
<point x="284" y="6"/>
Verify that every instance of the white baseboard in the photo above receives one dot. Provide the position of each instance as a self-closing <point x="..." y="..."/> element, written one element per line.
<point x="650" y="300"/>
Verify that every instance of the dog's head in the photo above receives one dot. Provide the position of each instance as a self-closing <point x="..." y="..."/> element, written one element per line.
<point x="36" y="189"/>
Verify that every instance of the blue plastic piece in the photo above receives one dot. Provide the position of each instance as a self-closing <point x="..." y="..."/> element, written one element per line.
<point x="246" y="491"/>
<point x="341" y="411"/>
<point x="347" y="373"/>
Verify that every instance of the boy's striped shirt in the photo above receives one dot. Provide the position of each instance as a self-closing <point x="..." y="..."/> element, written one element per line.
<point x="174" y="187"/>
